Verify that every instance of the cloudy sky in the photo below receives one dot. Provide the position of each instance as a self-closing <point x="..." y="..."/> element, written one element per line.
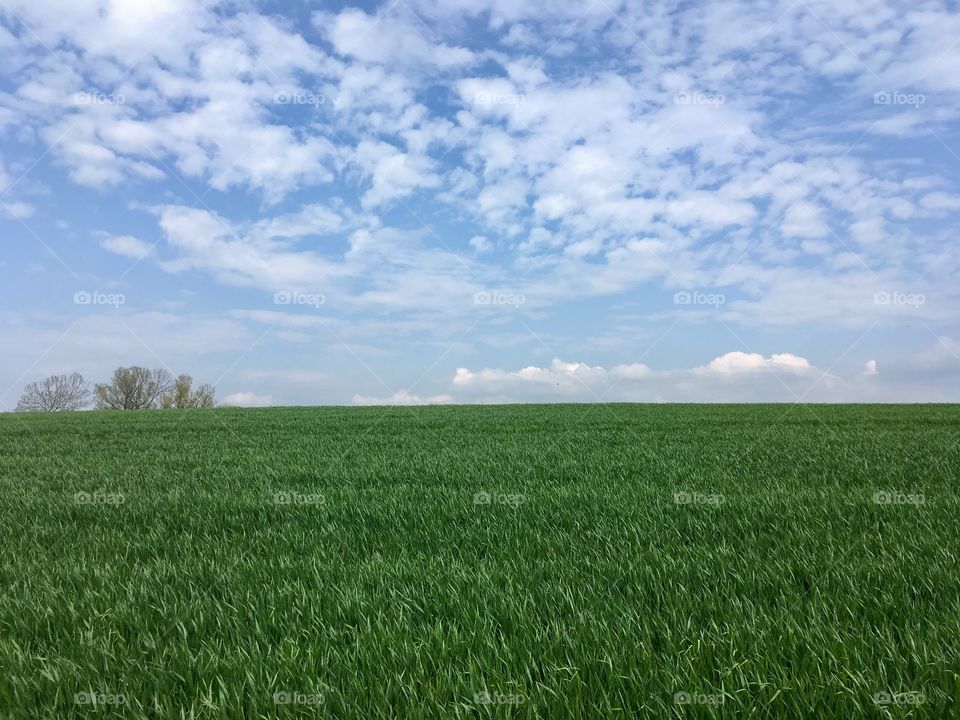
<point x="484" y="201"/>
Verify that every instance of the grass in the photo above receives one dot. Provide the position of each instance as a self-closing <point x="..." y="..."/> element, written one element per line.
<point x="339" y="562"/>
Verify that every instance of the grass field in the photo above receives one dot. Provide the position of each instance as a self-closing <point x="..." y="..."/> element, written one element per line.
<point x="529" y="561"/>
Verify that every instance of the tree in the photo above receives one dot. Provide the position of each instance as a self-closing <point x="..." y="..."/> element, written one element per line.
<point x="205" y="396"/>
<point x="182" y="395"/>
<point x="133" y="388"/>
<point x="55" y="394"/>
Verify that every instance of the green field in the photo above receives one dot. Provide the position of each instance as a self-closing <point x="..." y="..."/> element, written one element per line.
<point x="619" y="560"/>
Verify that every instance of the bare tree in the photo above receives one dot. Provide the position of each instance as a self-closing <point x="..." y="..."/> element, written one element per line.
<point x="182" y="395"/>
<point x="179" y="395"/>
<point x="205" y="396"/>
<point x="55" y="394"/>
<point x="133" y="388"/>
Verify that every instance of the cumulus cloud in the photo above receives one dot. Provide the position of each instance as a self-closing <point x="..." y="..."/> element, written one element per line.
<point x="480" y="244"/>
<point x="126" y="245"/>
<point x="734" y="375"/>
<point x="941" y="202"/>
<point x="804" y="219"/>
<point x="248" y="399"/>
<point x="248" y="101"/>
<point x="389" y="38"/>
<point x="741" y="362"/>
<point x="402" y="397"/>
<point x="394" y="174"/>
<point x="178" y="84"/>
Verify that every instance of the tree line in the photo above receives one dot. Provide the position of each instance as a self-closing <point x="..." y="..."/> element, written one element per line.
<point x="130" y="388"/>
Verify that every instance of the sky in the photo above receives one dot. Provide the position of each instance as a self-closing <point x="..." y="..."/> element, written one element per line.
<point x="442" y="201"/>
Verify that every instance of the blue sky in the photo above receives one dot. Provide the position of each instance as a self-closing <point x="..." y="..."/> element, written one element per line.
<point x="485" y="201"/>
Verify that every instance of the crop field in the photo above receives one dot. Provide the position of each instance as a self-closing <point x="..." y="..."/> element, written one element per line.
<point x="581" y="561"/>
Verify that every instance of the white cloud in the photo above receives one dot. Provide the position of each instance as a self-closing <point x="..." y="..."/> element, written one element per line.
<point x="209" y="242"/>
<point x="741" y="362"/>
<point x="804" y="219"/>
<point x="384" y="268"/>
<point x="481" y="244"/>
<point x="388" y="39"/>
<point x="902" y="125"/>
<point x="402" y="397"/>
<point x="941" y="202"/>
<point x="179" y="84"/>
<point x="18" y="209"/>
<point x="248" y="399"/>
<point x="869" y="231"/>
<point x="394" y="174"/>
<point x="730" y="377"/>
<point x="711" y="209"/>
<point x="127" y="245"/>
<point x="313" y="219"/>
